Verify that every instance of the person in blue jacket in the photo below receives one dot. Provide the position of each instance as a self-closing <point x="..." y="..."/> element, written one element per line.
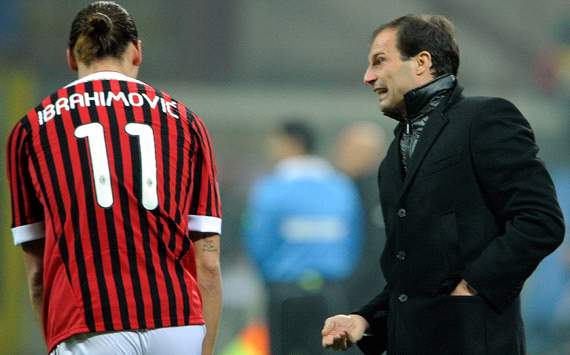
<point x="304" y="234"/>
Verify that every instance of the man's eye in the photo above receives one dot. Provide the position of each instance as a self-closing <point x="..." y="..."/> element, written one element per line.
<point x="378" y="60"/>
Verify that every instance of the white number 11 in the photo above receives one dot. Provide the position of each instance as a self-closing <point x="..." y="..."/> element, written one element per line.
<point x="100" y="162"/>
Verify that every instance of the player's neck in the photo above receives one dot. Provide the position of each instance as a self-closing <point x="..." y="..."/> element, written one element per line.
<point x="107" y="65"/>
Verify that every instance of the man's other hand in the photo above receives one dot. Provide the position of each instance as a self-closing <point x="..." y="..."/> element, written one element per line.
<point x="341" y="331"/>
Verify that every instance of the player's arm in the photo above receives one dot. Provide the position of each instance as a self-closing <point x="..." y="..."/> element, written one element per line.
<point x="33" y="261"/>
<point x="205" y="226"/>
<point x="28" y="227"/>
<point x="207" y="250"/>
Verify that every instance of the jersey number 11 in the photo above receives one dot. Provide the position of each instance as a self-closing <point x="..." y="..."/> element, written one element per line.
<point x="100" y="162"/>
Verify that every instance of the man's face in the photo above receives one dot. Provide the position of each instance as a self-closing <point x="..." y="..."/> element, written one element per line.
<point x="389" y="76"/>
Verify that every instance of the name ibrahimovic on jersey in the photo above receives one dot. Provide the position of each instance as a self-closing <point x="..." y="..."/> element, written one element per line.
<point x="105" y="99"/>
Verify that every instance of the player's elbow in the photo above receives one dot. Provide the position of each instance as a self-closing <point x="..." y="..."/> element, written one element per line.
<point x="35" y="286"/>
<point x="33" y="260"/>
<point x="209" y="277"/>
<point x="36" y="294"/>
<point x="209" y="266"/>
<point x="208" y="270"/>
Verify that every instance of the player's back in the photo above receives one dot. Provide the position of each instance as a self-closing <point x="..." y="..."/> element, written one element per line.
<point x="117" y="168"/>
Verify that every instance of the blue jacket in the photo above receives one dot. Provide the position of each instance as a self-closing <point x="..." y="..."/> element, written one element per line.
<point x="304" y="218"/>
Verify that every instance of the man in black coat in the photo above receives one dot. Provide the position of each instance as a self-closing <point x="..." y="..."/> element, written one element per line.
<point x="469" y="209"/>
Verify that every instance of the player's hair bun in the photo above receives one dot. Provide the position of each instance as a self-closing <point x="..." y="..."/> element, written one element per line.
<point x="102" y="29"/>
<point x="99" y="24"/>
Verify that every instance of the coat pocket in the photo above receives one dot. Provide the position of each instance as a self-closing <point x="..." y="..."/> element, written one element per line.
<point x="467" y="319"/>
<point x="446" y="325"/>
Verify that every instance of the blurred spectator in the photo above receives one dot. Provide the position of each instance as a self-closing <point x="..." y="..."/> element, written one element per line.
<point x="303" y="233"/>
<point x="360" y="148"/>
<point x="552" y="71"/>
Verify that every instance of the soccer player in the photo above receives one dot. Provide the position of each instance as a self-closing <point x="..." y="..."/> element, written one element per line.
<point x="115" y="204"/>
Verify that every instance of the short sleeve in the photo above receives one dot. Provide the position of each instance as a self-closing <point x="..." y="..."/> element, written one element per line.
<point x="27" y="211"/>
<point x="205" y="206"/>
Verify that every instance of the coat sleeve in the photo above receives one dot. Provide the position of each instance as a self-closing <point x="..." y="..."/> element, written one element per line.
<point x="520" y="192"/>
<point x="376" y="314"/>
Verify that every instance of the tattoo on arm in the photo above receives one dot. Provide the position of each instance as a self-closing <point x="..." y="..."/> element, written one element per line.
<point x="209" y="246"/>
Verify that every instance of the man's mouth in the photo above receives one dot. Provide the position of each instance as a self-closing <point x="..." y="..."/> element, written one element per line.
<point x="381" y="92"/>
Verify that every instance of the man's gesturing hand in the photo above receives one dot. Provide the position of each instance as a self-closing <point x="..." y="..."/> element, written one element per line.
<point x="341" y="331"/>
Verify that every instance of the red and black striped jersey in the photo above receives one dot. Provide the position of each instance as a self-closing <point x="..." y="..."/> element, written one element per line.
<point x="113" y="173"/>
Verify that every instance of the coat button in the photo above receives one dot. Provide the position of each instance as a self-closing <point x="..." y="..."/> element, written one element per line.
<point x="402" y="213"/>
<point x="401" y="255"/>
<point x="403" y="297"/>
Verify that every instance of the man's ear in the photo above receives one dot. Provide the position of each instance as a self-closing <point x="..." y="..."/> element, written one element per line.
<point x="71" y="62"/>
<point x="423" y="63"/>
<point x="138" y="54"/>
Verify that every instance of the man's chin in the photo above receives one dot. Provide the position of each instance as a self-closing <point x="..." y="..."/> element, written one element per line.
<point x="390" y="111"/>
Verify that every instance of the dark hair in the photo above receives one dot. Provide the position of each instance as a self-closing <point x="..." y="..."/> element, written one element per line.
<point x="102" y="29"/>
<point x="432" y="33"/>
<point x="300" y="132"/>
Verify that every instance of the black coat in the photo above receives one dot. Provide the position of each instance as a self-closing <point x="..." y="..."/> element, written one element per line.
<point x="476" y="204"/>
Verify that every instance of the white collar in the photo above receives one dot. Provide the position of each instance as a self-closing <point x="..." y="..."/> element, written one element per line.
<point x="105" y="75"/>
<point x="303" y="166"/>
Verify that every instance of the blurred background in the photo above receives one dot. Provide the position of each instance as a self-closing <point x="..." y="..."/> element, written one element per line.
<point x="245" y="65"/>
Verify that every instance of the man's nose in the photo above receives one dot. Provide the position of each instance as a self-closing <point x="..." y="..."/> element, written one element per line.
<point x="369" y="77"/>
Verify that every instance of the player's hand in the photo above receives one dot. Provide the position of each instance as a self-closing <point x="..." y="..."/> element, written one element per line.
<point x="341" y="331"/>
